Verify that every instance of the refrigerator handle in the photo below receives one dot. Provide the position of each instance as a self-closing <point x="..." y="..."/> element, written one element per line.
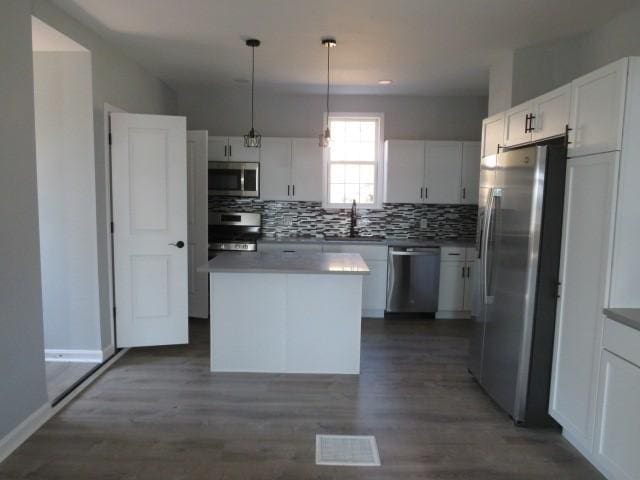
<point x="495" y="193"/>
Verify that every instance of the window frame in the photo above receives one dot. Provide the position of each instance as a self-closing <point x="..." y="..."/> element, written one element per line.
<point x="378" y="164"/>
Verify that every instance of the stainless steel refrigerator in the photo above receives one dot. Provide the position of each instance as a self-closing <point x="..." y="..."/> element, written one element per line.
<point x="513" y="313"/>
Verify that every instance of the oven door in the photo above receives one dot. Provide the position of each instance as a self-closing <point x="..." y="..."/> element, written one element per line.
<point x="234" y="179"/>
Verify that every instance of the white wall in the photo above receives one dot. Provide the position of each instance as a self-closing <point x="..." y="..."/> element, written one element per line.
<point x="227" y="112"/>
<point x="116" y="80"/>
<point x="67" y="200"/>
<point x="543" y="67"/>
<point x="500" y="83"/>
<point x="22" y="380"/>
<point x="119" y="81"/>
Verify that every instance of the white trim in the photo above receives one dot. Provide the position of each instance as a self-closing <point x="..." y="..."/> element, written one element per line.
<point x="24" y="430"/>
<point x="88" y="356"/>
<point x="33" y="422"/>
<point x="108" y="109"/>
<point x="85" y="356"/>
<point x="379" y="180"/>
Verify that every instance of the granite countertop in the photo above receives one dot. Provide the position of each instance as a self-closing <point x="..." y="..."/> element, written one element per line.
<point x="280" y="262"/>
<point x="391" y="242"/>
<point x="627" y="316"/>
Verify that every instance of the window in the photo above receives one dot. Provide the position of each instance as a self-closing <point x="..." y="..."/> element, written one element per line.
<point x="352" y="160"/>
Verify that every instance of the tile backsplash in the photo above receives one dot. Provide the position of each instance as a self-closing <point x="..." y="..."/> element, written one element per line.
<point x="398" y="220"/>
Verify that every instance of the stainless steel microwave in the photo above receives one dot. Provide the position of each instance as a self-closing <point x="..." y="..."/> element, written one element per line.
<point x="234" y="179"/>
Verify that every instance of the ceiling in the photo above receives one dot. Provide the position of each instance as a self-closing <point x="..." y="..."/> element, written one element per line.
<point x="427" y="47"/>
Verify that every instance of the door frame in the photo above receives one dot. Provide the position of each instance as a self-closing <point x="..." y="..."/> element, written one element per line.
<point x="108" y="110"/>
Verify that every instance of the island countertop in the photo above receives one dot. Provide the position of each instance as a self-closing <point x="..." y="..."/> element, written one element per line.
<point x="280" y="262"/>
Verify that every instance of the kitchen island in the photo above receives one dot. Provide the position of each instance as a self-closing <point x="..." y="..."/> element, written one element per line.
<point x="282" y="312"/>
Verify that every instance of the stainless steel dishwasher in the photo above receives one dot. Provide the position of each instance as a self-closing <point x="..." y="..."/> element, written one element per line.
<point x="413" y="279"/>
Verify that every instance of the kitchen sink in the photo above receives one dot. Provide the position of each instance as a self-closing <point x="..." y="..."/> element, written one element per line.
<point x="356" y="238"/>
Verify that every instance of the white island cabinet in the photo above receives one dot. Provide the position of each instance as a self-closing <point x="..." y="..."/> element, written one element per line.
<point x="277" y="312"/>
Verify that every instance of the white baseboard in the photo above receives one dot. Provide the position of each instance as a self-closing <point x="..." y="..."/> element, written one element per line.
<point x="24" y="430"/>
<point x="88" y="356"/>
<point x="33" y="422"/>
<point x="451" y="315"/>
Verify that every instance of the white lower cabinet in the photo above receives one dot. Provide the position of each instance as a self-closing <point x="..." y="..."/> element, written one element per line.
<point x="374" y="285"/>
<point x="456" y="282"/>
<point x="615" y="447"/>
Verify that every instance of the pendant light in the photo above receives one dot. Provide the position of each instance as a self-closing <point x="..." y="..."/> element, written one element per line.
<point x="253" y="138"/>
<point x="325" y="136"/>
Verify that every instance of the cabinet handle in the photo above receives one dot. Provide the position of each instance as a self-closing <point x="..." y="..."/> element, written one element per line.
<point x="567" y="129"/>
<point x="468" y="272"/>
<point x="426" y="192"/>
<point x="225" y="150"/>
<point x="288" y="190"/>
<point x="229" y="150"/>
<point x="464" y="193"/>
<point x="421" y="188"/>
<point x="463" y="271"/>
<point x="293" y="191"/>
<point x="531" y="119"/>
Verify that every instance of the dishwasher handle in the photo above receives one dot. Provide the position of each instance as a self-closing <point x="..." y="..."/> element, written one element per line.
<point x="414" y="252"/>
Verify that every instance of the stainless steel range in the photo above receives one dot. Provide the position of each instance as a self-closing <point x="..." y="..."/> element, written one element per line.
<point x="233" y="231"/>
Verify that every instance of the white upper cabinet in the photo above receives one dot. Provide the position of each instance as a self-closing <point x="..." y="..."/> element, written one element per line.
<point x="218" y="149"/>
<point x="551" y="113"/>
<point x="239" y="153"/>
<point x="492" y="134"/>
<point x="597" y="110"/>
<point x="404" y="171"/>
<point x="517" y="126"/>
<point x="275" y="169"/>
<point x="306" y="170"/>
<point x="231" y="149"/>
<point x="470" y="172"/>
<point x="443" y="172"/>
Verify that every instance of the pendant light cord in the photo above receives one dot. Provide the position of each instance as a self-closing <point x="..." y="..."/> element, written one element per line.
<point x="253" y="67"/>
<point x="328" y="52"/>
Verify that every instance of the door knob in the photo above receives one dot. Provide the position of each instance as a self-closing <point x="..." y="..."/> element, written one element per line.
<point x="178" y="244"/>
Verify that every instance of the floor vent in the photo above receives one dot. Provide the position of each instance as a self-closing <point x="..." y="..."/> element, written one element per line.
<point x="348" y="450"/>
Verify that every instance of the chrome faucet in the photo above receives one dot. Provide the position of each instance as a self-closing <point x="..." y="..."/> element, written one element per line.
<point x="352" y="226"/>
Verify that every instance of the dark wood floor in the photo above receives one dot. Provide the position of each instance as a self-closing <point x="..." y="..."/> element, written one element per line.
<point x="159" y="414"/>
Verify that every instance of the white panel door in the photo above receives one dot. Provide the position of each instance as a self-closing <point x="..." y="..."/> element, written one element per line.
<point x="470" y="173"/>
<point x="584" y="276"/>
<point x="551" y="113"/>
<point x="618" y="422"/>
<point x="197" y="208"/>
<point x="516" y="127"/>
<point x="597" y="110"/>
<point x="306" y="171"/>
<point x="218" y="149"/>
<point x="275" y="169"/>
<point x="149" y="172"/>
<point x="443" y="172"/>
<point x="492" y="134"/>
<point x="239" y="153"/>
<point x="451" y="291"/>
<point x="404" y="171"/>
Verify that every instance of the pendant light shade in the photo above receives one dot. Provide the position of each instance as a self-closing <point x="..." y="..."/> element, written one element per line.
<point x="325" y="137"/>
<point x="253" y="138"/>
